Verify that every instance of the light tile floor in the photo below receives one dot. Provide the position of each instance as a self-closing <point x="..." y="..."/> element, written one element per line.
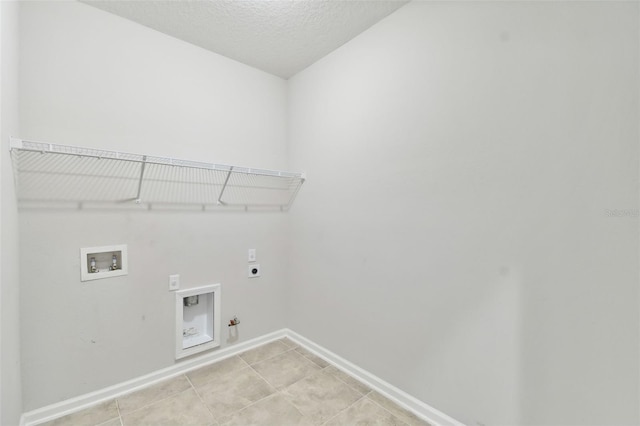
<point x="279" y="383"/>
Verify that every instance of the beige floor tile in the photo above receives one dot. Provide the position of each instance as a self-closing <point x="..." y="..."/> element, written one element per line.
<point x="285" y="369"/>
<point x="157" y="392"/>
<point x="182" y="409"/>
<point x="271" y="411"/>
<point x="91" y="416"/>
<point x="365" y="412"/>
<point x="112" y="422"/>
<point x="234" y="392"/>
<point x="286" y="387"/>
<point x="404" y="415"/>
<point x="321" y="396"/>
<point x="290" y="343"/>
<point x="312" y="357"/>
<point x="351" y="381"/>
<point x="216" y="370"/>
<point x="264" y="352"/>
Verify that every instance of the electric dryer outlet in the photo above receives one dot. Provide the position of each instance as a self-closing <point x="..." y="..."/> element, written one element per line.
<point x="253" y="271"/>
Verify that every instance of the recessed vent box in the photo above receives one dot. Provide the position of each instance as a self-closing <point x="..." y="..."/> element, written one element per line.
<point x="197" y="320"/>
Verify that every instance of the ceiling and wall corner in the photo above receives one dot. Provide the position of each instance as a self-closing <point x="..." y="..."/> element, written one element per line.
<point x="281" y="37"/>
<point x="462" y="157"/>
<point x="90" y="78"/>
<point x="478" y="283"/>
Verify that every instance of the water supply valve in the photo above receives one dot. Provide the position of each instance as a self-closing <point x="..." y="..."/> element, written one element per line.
<point x="235" y="321"/>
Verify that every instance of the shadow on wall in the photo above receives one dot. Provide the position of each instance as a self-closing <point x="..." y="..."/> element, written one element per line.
<point x="487" y="326"/>
<point x="141" y="208"/>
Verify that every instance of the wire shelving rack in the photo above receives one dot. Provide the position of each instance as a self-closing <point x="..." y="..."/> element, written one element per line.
<point x="47" y="173"/>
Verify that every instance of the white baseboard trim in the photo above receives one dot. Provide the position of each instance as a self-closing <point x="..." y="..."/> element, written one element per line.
<point x="81" y="402"/>
<point x="63" y="408"/>
<point x="403" y="399"/>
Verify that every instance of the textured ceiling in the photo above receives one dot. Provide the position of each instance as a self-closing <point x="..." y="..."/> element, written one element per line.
<point x="281" y="37"/>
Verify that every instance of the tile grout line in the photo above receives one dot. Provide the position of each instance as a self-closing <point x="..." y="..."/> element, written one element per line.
<point x="281" y="392"/>
<point x="115" y="401"/>
<point x="119" y="413"/>
<point x="271" y="357"/>
<point x="242" y="359"/>
<point x="201" y="400"/>
<point x="231" y="372"/>
<point x="265" y="380"/>
<point x="369" y="390"/>
<point x="402" y="419"/>
<point x="343" y="410"/>
<point x="258" y="373"/>
<point x="149" y="403"/>
<point x="310" y="359"/>
<point x="292" y="344"/>
<point x="345" y="378"/>
<point x="278" y="390"/>
<point x="289" y="402"/>
<point x="249" y="405"/>
<point x="158" y="401"/>
<point x="227" y="370"/>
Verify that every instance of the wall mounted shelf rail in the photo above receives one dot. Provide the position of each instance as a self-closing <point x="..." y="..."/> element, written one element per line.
<point x="49" y="174"/>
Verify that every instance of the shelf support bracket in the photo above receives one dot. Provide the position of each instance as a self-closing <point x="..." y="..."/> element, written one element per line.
<point x="144" y="163"/>
<point x="224" y="186"/>
<point x="15" y="143"/>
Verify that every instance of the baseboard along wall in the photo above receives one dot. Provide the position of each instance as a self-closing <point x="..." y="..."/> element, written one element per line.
<point x="409" y="402"/>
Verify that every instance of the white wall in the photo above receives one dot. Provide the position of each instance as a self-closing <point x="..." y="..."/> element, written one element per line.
<point x="90" y="78"/>
<point x="452" y="236"/>
<point x="10" y="383"/>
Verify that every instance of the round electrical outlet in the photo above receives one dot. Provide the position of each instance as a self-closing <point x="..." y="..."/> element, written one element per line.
<point x="254" y="271"/>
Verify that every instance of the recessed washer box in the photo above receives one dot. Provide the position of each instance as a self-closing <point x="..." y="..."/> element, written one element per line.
<point x="103" y="262"/>
<point x="197" y="319"/>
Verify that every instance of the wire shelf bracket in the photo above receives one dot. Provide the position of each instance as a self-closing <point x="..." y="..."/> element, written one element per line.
<point x="47" y="173"/>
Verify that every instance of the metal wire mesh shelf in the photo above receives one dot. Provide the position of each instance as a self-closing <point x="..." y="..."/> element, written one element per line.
<point x="51" y="173"/>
